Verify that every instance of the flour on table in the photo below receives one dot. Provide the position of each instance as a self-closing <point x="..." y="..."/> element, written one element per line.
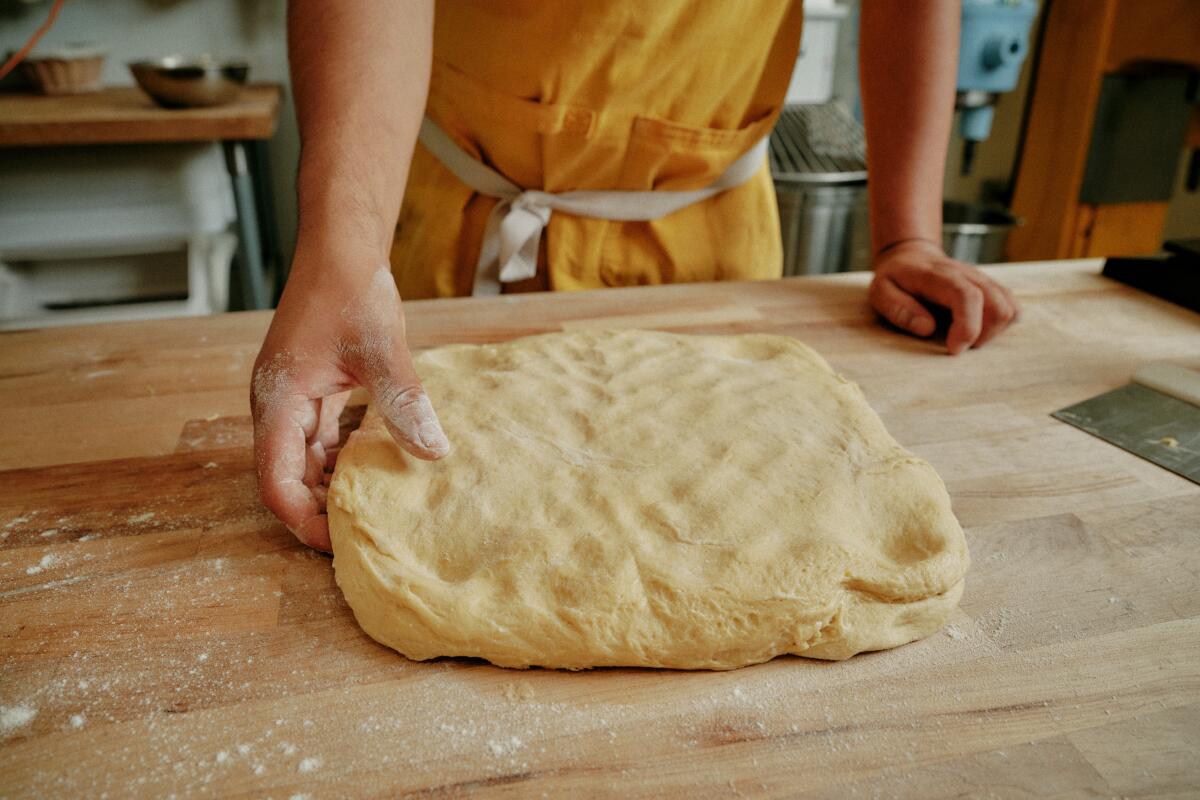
<point x="13" y="717"/>
<point x="309" y="764"/>
<point x="49" y="560"/>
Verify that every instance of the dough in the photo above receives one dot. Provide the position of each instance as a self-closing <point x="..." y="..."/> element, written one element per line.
<point x="643" y="499"/>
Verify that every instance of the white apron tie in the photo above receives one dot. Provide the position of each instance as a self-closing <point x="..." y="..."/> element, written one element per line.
<point x="514" y="229"/>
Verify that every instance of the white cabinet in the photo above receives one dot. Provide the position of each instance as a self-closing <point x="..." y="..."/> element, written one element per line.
<point x="113" y="232"/>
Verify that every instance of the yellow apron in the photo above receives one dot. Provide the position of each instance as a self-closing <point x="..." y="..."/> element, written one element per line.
<point x="594" y="95"/>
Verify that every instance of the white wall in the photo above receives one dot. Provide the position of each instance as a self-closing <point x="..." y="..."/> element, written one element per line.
<point x="132" y="29"/>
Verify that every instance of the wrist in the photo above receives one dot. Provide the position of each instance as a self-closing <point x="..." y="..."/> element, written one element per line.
<point x="907" y="243"/>
<point x="333" y="252"/>
<point x="899" y="224"/>
<point x="343" y="224"/>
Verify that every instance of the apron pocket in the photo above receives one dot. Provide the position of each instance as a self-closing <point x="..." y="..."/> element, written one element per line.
<point x="506" y="132"/>
<point x="669" y="156"/>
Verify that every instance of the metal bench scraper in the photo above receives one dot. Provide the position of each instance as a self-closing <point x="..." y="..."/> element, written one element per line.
<point x="1157" y="417"/>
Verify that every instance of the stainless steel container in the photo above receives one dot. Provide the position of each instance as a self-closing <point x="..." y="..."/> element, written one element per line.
<point x="819" y="225"/>
<point x="819" y="166"/>
<point x="975" y="234"/>
<point x="182" y="82"/>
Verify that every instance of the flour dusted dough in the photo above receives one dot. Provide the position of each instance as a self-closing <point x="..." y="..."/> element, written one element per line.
<point x="648" y="499"/>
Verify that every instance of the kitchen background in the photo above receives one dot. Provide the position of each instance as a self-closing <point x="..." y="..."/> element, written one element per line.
<point x="40" y="187"/>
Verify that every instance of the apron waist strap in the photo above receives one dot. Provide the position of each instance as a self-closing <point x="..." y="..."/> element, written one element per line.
<point x="514" y="229"/>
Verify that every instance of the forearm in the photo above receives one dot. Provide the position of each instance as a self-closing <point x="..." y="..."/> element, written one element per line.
<point x="908" y="58"/>
<point x="360" y="75"/>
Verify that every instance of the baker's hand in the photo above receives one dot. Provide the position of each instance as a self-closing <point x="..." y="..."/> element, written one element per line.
<point x="919" y="270"/>
<point x="333" y="330"/>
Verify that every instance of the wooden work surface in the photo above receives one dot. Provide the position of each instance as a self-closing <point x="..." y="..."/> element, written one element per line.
<point x="161" y="634"/>
<point x="127" y="115"/>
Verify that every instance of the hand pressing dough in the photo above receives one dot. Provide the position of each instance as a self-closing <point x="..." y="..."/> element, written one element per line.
<point x="643" y="499"/>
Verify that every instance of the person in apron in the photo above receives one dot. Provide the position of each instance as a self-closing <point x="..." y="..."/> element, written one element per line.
<point x="517" y="145"/>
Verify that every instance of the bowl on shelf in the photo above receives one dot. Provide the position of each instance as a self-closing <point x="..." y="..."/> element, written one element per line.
<point x="184" y="82"/>
<point x="71" y="69"/>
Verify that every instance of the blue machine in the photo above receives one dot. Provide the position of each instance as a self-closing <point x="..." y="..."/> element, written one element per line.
<point x="993" y="45"/>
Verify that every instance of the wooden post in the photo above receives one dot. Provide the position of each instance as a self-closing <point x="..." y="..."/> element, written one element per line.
<point x="1084" y="40"/>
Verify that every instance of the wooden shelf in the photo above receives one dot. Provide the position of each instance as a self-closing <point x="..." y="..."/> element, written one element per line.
<point x="126" y="115"/>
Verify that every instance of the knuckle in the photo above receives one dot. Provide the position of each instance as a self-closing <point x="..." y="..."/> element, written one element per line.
<point x="399" y="398"/>
<point x="955" y="279"/>
<point x="964" y="269"/>
<point x="967" y="292"/>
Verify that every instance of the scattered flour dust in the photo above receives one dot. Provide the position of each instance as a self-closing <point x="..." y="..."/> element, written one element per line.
<point x="13" y="717"/>
<point x="309" y="764"/>
<point x="49" y="560"/>
<point x="271" y="381"/>
<point x="518" y="692"/>
<point x="18" y="521"/>
<point x="369" y="319"/>
<point x="504" y="747"/>
<point x="504" y="728"/>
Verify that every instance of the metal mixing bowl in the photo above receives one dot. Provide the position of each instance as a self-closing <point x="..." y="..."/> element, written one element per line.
<point x="179" y="81"/>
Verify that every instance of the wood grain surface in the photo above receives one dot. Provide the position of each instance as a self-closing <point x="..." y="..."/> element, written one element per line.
<point x="127" y="115"/>
<point x="161" y="634"/>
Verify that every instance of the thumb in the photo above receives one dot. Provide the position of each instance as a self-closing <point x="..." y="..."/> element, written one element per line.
<point x="406" y="410"/>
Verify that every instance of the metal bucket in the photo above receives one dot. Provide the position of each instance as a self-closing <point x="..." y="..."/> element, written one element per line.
<point x="818" y="163"/>
<point x="819" y="223"/>
<point x="974" y="233"/>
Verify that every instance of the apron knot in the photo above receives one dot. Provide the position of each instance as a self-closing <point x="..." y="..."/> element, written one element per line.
<point x="520" y="223"/>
